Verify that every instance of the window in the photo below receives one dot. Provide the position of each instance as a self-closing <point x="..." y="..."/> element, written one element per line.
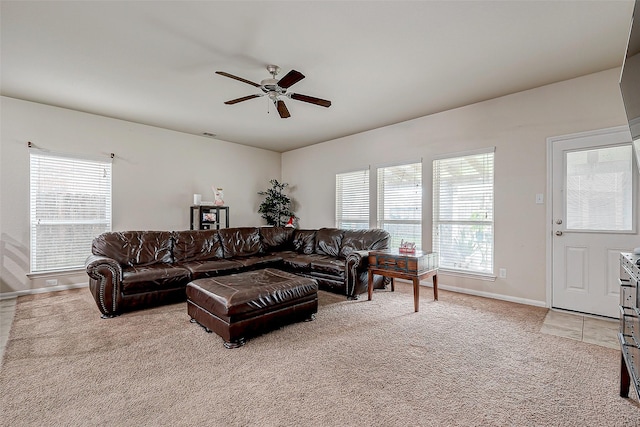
<point x="463" y="212"/>
<point x="352" y="200"/>
<point x="599" y="193"/>
<point x="70" y="205"/>
<point x="400" y="203"/>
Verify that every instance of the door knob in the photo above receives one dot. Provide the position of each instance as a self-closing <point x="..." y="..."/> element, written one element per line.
<point x="558" y="233"/>
<point x="558" y="221"/>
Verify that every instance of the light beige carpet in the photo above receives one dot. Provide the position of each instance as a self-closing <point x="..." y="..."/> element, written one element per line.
<point x="461" y="361"/>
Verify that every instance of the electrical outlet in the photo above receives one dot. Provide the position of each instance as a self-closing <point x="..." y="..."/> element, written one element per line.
<point x="51" y="282"/>
<point x="503" y="273"/>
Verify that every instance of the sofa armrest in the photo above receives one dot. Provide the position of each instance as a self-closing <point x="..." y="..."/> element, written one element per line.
<point x="105" y="283"/>
<point x="356" y="263"/>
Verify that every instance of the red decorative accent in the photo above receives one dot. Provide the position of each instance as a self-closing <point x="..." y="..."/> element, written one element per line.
<point x="407" y="247"/>
<point x="290" y="223"/>
<point x="407" y="250"/>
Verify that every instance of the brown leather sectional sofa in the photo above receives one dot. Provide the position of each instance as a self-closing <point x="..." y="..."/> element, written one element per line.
<point x="132" y="270"/>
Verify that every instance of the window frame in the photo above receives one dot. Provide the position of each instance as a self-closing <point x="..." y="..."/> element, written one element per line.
<point x="53" y="206"/>
<point x="437" y="214"/>
<point x="380" y="220"/>
<point x="340" y="219"/>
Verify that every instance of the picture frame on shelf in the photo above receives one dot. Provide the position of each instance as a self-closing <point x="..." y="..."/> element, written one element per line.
<point x="208" y="217"/>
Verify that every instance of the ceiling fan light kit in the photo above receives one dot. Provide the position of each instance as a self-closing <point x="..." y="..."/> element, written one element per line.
<point x="275" y="89"/>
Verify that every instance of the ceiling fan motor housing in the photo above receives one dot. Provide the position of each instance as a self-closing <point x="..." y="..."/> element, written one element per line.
<point x="271" y="85"/>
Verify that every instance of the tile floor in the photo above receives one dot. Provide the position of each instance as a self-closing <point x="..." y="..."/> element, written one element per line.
<point x="7" y="310"/>
<point x="589" y="329"/>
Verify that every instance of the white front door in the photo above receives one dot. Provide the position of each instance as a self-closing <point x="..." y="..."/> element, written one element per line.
<point x="594" y="214"/>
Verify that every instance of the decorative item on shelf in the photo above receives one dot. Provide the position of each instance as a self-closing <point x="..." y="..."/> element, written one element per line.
<point x="407" y="247"/>
<point x="218" y="196"/>
<point x="209" y="217"/>
<point x="276" y="207"/>
<point x="197" y="199"/>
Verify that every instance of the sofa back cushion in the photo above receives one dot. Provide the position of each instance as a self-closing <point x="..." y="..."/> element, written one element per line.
<point x="328" y="241"/>
<point x="304" y="241"/>
<point x="134" y="247"/>
<point x="240" y="242"/>
<point x="196" y="245"/>
<point x="361" y="240"/>
<point x="276" y="238"/>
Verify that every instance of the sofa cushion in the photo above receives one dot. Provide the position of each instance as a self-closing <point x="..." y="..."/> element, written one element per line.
<point x="240" y="242"/>
<point x="149" y="278"/>
<point x="196" y="245"/>
<point x="328" y="241"/>
<point x="214" y="267"/>
<point x="360" y="240"/>
<point x="135" y="247"/>
<point x="260" y="261"/>
<point x="304" y="241"/>
<point x="295" y="260"/>
<point x="276" y="238"/>
<point x="326" y="264"/>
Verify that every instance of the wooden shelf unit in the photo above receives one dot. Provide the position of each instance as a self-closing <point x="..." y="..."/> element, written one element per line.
<point x="208" y="217"/>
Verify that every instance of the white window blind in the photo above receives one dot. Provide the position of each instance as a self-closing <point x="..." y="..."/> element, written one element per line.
<point x="400" y="203"/>
<point x="70" y="204"/>
<point x="352" y="200"/>
<point x="599" y="189"/>
<point x="463" y="212"/>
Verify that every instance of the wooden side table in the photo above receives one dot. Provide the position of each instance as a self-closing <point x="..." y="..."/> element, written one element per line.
<point x="409" y="266"/>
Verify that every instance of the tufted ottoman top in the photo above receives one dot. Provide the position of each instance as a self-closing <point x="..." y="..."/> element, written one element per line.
<point x="249" y="291"/>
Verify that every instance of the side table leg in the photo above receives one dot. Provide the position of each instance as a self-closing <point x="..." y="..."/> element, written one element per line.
<point x="416" y="293"/>
<point x="370" y="285"/>
<point x="435" y="286"/>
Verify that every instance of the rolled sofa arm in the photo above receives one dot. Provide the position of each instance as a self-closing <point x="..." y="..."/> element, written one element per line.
<point x="356" y="264"/>
<point x="105" y="283"/>
<point x="357" y="276"/>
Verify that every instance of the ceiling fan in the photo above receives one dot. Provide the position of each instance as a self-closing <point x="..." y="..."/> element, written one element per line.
<point x="276" y="89"/>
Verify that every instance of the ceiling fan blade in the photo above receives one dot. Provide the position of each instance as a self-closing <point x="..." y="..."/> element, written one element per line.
<point x="310" y="99"/>
<point x="240" y="79"/>
<point x="291" y="78"/>
<point x="244" y="98"/>
<point x="282" y="109"/>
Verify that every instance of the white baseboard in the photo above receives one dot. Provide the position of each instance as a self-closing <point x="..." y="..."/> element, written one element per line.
<point x="10" y="295"/>
<point x="16" y="294"/>
<point x="486" y="294"/>
<point x="494" y="296"/>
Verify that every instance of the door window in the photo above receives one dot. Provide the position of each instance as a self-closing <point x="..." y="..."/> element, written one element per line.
<point x="599" y="189"/>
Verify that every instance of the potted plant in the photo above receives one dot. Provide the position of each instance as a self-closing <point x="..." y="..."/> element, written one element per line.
<point x="276" y="207"/>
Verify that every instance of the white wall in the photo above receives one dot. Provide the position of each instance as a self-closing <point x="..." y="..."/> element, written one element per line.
<point x="156" y="171"/>
<point x="517" y="125"/>
<point x="155" y="174"/>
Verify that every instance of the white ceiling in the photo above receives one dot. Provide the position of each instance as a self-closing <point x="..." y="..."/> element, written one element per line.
<point x="379" y="62"/>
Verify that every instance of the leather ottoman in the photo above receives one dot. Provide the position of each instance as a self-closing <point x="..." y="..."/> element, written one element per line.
<point x="245" y="304"/>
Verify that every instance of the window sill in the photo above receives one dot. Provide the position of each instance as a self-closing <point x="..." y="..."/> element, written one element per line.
<point x="56" y="273"/>
<point x="477" y="276"/>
